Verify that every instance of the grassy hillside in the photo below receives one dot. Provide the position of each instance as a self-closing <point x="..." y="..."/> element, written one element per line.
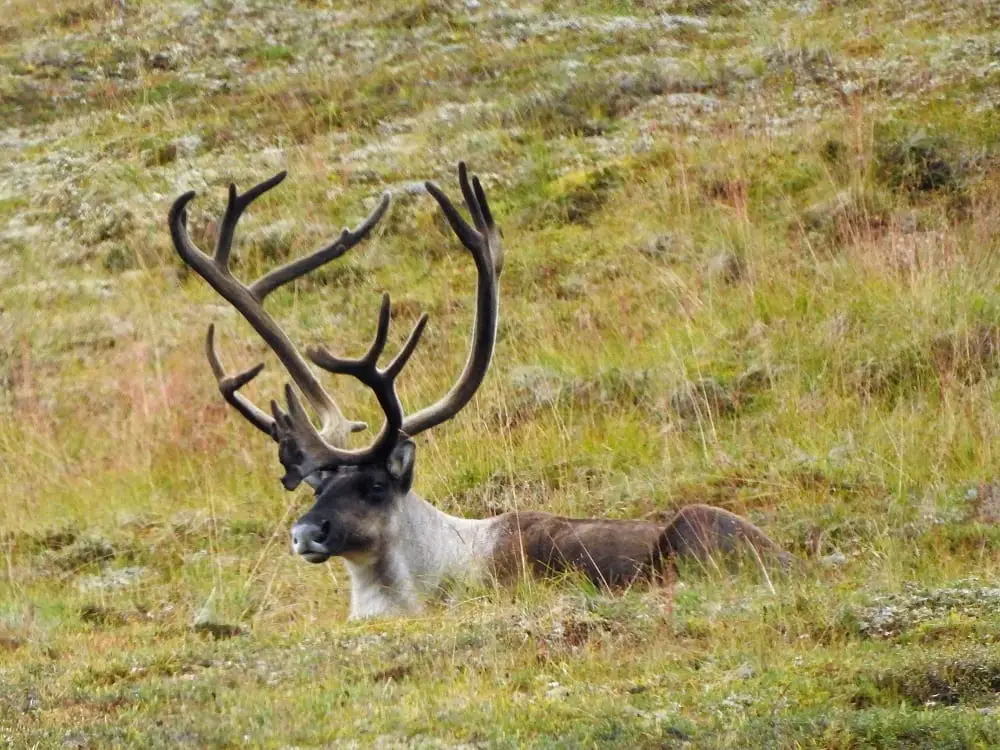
<point x="752" y="261"/>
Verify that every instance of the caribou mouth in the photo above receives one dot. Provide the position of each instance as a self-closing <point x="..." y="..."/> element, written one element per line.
<point x="315" y="557"/>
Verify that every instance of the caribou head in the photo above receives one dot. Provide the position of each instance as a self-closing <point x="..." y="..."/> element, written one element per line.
<point x="355" y="509"/>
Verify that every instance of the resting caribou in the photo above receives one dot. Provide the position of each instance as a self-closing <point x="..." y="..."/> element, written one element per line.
<point x="398" y="547"/>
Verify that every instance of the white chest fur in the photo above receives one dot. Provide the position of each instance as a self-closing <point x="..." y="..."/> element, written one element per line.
<point x="424" y="548"/>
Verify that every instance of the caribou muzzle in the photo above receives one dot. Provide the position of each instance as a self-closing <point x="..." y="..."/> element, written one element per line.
<point x="310" y="540"/>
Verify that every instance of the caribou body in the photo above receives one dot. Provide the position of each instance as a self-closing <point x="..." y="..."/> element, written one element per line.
<point x="397" y="547"/>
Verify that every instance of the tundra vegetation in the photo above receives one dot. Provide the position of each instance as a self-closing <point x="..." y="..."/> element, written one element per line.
<point x="752" y="261"/>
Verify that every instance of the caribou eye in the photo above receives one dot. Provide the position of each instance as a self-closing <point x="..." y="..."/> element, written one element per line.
<point x="378" y="488"/>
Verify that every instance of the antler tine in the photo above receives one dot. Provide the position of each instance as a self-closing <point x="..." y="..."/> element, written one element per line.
<point x="301" y="266"/>
<point x="398" y="362"/>
<point x="235" y="207"/>
<point x="483" y="241"/>
<point x="471" y="198"/>
<point x="381" y="382"/>
<point x="365" y="368"/>
<point x="484" y="244"/>
<point x="248" y="302"/>
<point x="490" y="229"/>
<point x="229" y="385"/>
<point x="349" y="366"/>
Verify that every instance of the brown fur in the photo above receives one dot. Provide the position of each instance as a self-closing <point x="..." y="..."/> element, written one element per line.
<point x="608" y="552"/>
<point x="614" y="553"/>
<point x="701" y="531"/>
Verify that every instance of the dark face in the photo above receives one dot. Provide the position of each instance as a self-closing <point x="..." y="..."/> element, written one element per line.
<point x="354" y="508"/>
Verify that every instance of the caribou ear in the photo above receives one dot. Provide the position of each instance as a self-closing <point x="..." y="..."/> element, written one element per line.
<point x="399" y="464"/>
<point x="291" y="459"/>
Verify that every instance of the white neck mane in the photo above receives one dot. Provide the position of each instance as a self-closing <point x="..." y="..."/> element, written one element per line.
<point x="426" y="547"/>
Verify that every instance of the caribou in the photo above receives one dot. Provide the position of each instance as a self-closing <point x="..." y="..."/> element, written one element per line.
<point x="397" y="547"/>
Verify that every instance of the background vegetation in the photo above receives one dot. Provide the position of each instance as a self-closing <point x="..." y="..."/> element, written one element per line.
<point x="751" y="261"/>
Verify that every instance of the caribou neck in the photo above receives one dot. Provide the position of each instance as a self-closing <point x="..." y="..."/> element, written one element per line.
<point x="426" y="547"/>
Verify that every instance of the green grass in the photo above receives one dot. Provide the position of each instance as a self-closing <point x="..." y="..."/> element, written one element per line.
<point x="798" y="208"/>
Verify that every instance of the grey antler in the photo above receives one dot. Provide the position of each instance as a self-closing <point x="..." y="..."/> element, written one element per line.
<point x="248" y="301"/>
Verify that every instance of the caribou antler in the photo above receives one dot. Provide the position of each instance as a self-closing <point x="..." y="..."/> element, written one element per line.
<point x="248" y="301"/>
<point x="296" y="431"/>
<point x="487" y="252"/>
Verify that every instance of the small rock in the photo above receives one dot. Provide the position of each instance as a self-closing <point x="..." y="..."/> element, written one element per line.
<point x="908" y="222"/>
<point x="839" y="454"/>
<point x="75" y="739"/>
<point x="112" y="580"/>
<point x="833" y="560"/>
<point x="841" y="217"/>
<point x="218" y="630"/>
<point x="161" y="61"/>
<point x="83" y="551"/>
<point x="825" y="213"/>
<point x="697" y="102"/>
<point x="188" y="145"/>
<point x="206" y="622"/>
<point x="851" y="88"/>
<point x="572" y="287"/>
<point x="737" y="700"/>
<point x="274" y="157"/>
<point x="557" y="692"/>
<point x="985" y="502"/>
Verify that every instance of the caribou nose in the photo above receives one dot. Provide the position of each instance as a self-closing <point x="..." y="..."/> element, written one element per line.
<point x="310" y="537"/>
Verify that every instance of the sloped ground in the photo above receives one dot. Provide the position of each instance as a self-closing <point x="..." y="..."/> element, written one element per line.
<point x="751" y="261"/>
